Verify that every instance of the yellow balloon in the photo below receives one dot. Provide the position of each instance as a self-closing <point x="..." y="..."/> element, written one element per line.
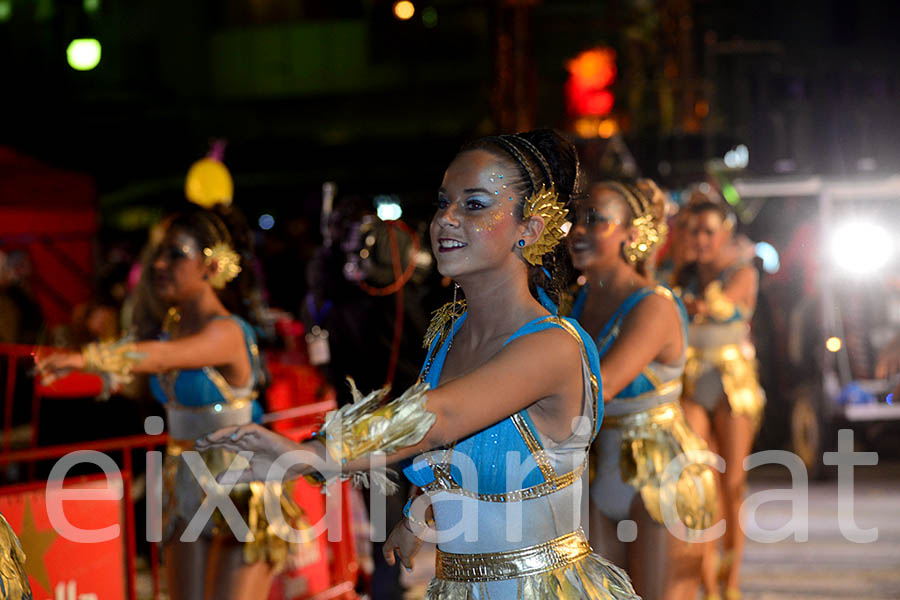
<point x="208" y="183"/>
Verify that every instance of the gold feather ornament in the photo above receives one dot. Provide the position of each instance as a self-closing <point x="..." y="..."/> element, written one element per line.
<point x="13" y="579"/>
<point x="545" y="203"/>
<point x="649" y="235"/>
<point x="226" y="261"/>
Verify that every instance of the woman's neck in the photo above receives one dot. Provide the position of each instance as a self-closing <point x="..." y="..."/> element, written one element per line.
<point x="198" y="309"/>
<point x="498" y="304"/>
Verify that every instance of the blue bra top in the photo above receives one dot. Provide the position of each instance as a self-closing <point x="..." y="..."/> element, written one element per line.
<point x="488" y="448"/>
<point x="206" y="386"/>
<point x="650" y="379"/>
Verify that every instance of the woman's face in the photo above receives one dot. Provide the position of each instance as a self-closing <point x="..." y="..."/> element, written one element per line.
<point x="706" y="235"/>
<point x="601" y="226"/>
<point x="179" y="269"/>
<point x="475" y="227"/>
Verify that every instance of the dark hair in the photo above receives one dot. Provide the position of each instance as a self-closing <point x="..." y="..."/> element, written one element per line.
<point x="541" y="157"/>
<point x="242" y="296"/>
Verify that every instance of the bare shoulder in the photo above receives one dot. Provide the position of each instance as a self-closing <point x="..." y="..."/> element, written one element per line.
<point x="551" y="346"/>
<point x="656" y="310"/>
<point x="223" y="330"/>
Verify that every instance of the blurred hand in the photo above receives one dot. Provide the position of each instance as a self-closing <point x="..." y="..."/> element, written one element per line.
<point x="889" y="362"/>
<point x="695" y="306"/>
<point x="265" y="445"/>
<point x="56" y="366"/>
<point x="404" y="543"/>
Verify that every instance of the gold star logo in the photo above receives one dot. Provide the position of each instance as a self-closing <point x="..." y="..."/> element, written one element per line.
<point x="35" y="544"/>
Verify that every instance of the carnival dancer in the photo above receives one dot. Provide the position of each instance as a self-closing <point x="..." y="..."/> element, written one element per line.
<point x="508" y="395"/>
<point x="641" y="334"/>
<point x="723" y="400"/>
<point x="206" y="370"/>
<point x="13" y="579"/>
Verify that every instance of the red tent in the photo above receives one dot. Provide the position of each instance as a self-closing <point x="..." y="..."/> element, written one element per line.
<point x="51" y="214"/>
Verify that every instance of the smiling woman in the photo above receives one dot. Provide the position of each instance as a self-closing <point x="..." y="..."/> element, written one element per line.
<point x="503" y="379"/>
<point x="205" y="368"/>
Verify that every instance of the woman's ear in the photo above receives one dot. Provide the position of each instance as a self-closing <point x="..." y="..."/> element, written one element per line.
<point x="532" y="229"/>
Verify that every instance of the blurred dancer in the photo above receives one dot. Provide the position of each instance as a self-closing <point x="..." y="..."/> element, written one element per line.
<point x="723" y="400"/>
<point x="503" y="383"/>
<point x="206" y="370"/>
<point x="641" y="333"/>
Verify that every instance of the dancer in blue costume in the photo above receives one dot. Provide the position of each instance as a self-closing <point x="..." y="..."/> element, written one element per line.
<point x="641" y="333"/>
<point x="723" y="399"/>
<point x="13" y="579"/>
<point x="206" y="370"/>
<point x="508" y="396"/>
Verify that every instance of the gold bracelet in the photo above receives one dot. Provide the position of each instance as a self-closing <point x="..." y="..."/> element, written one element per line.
<point x="117" y="357"/>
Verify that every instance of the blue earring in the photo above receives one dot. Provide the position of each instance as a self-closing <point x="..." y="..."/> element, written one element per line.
<point x="521" y="243"/>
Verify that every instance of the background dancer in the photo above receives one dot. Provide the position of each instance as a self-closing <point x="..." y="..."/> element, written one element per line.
<point x="207" y="372"/>
<point x="640" y="328"/>
<point x="723" y="400"/>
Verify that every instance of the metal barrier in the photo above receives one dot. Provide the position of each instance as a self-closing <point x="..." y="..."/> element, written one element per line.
<point x="343" y="565"/>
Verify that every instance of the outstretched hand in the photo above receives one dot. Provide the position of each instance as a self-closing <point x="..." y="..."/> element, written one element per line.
<point x="263" y="445"/>
<point x="56" y="366"/>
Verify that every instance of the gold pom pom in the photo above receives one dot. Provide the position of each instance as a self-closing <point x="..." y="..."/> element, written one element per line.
<point x="226" y="261"/>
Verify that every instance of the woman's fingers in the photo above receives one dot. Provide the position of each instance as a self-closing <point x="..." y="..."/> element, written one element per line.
<point x="388" y="551"/>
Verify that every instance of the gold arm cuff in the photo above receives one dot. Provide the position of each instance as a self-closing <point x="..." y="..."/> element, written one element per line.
<point x="366" y="426"/>
<point x="493" y="566"/>
<point x="720" y="307"/>
<point x="117" y="357"/>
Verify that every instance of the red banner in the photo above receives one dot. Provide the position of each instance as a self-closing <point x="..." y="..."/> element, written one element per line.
<point x="59" y="568"/>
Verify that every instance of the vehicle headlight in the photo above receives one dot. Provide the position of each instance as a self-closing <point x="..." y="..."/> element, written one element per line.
<point x="861" y="248"/>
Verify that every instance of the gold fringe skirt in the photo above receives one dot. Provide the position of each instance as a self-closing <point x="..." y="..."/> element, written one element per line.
<point x="562" y="568"/>
<point x="736" y="365"/>
<point x="649" y="441"/>
<point x="13" y="579"/>
<point x="271" y="543"/>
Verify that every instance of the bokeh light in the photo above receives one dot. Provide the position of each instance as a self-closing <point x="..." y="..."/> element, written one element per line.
<point x="404" y="10"/>
<point x="861" y="248"/>
<point x="83" y="54"/>
<point x="834" y="344"/>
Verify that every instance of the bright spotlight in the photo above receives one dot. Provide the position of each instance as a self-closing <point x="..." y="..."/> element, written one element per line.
<point x="83" y="54"/>
<point x="769" y="256"/>
<point x="404" y="10"/>
<point x="266" y="221"/>
<point x="834" y="344"/>
<point x="861" y="248"/>
<point x="388" y="208"/>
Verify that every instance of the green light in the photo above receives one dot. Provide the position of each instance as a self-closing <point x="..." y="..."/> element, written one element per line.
<point x="731" y="195"/>
<point x="5" y="10"/>
<point x="429" y="17"/>
<point x="83" y="54"/>
<point x="90" y="6"/>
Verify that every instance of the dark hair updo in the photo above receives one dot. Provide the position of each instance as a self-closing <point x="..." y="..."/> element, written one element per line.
<point x="542" y="157"/>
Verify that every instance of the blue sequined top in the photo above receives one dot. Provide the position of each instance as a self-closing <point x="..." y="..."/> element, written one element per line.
<point x="206" y="386"/>
<point x="488" y="448"/>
